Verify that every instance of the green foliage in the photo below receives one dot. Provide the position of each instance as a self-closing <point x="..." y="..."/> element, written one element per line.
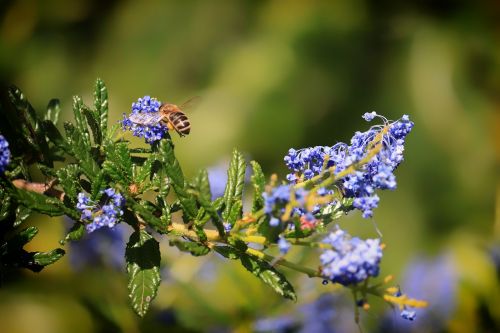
<point x="143" y="269"/>
<point x="234" y="186"/>
<point x="195" y="249"/>
<point x="101" y="106"/>
<point x="259" y="183"/>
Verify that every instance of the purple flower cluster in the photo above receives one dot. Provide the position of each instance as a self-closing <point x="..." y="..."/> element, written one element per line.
<point x="377" y="173"/>
<point x="4" y="153"/>
<point x="279" y="197"/>
<point x="351" y="259"/>
<point x="97" y="216"/>
<point x="146" y="109"/>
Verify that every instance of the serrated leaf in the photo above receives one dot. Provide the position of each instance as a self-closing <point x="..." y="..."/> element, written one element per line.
<point x="53" y="110"/>
<point x="81" y="124"/>
<point x="47" y="258"/>
<point x="101" y="105"/>
<point x="146" y="212"/>
<point x="236" y="212"/>
<point x="142" y="173"/>
<point x="227" y="252"/>
<point x="68" y="179"/>
<point x="118" y="164"/>
<point x="259" y="182"/>
<point x="269" y="275"/>
<point x="80" y="150"/>
<point x="196" y="249"/>
<point x="211" y="210"/>
<point x="97" y="185"/>
<point x="75" y="233"/>
<point x="29" y="122"/>
<point x="93" y="124"/>
<point x="202" y="184"/>
<point x="174" y="172"/>
<point x="22" y="238"/>
<point x="42" y="203"/>
<point x="5" y="207"/>
<point x="235" y="182"/>
<point x="143" y="268"/>
<point x="22" y="213"/>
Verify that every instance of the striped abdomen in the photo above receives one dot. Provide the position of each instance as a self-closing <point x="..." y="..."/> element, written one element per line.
<point x="180" y="122"/>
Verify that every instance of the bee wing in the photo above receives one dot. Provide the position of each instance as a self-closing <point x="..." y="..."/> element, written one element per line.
<point x="149" y="118"/>
<point x="190" y="103"/>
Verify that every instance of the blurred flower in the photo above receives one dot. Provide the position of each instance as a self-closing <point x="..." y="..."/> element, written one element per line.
<point x="4" y="153"/>
<point x="351" y="260"/>
<point x="146" y="109"/>
<point x="283" y="245"/>
<point x="97" y="216"/>
<point x="217" y="176"/>
<point x="105" y="247"/>
<point x="434" y="280"/>
<point x="314" y="317"/>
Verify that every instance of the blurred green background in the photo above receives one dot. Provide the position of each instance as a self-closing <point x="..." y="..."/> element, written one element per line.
<point x="274" y="75"/>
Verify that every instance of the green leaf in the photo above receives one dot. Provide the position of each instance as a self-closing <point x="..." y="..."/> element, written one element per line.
<point x="81" y="124"/>
<point x="22" y="213"/>
<point x="69" y="180"/>
<point x="143" y="268"/>
<point x="47" y="258"/>
<point x="97" y="185"/>
<point x="29" y="123"/>
<point x="227" y="252"/>
<point x="212" y="212"/>
<point x="80" y="150"/>
<point x="93" y="124"/>
<point x="101" y="105"/>
<point x="75" y="233"/>
<point x="145" y="210"/>
<point x="196" y="249"/>
<point x="142" y="173"/>
<point x="259" y="183"/>
<point x="236" y="212"/>
<point x="235" y="182"/>
<point x="22" y="238"/>
<point x="42" y="203"/>
<point x="174" y="172"/>
<point x="202" y="185"/>
<point x="118" y="164"/>
<point x="53" y="110"/>
<point x="6" y="206"/>
<point x="269" y="275"/>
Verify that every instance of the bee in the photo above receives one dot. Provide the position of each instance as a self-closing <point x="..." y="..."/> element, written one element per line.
<point x="169" y="115"/>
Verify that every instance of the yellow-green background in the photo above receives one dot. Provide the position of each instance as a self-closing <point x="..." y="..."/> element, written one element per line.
<point x="274" y="75"/>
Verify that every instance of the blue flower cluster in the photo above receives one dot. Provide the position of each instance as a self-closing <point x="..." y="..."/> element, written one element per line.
<point x="4" y="153"/>
<point x="376" y="174"/>
<point x="145" y="107"/>
<point x="279" y="197"/>
<point x="97" y="216"/>
<point x="351" y="259"/>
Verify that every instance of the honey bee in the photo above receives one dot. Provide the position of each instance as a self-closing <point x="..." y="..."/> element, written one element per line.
<point x="169" y="115"/>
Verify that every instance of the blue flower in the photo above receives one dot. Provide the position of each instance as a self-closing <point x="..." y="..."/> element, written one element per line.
<point x="4" y="154"/>
<point x="97" y="216"/>
<point x="152" y="132"/>
<point x="351" y="260"/>
<point x="375" y="174"/>
<point x="408" y="315"/>
<point x="283" y="245"/>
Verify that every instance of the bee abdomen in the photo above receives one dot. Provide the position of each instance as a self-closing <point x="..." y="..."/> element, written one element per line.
<point x="180" y="122"/>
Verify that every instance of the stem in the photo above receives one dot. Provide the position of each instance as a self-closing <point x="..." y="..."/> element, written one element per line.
<point x="282" y="262"/>
<point x="42" y="188"/>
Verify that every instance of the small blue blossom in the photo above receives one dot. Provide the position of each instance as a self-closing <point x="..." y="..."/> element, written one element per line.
<point x="274" y="222"/>
<point x="227" y="227"/>
<point x="283" y="245"/>
<point x="369" y="116"/>
<point x="351" y="260"/>
<point x="408" y="315"/>
<point x="97" y="216"/>
<point x="4" y="154"/>
<point x="145" y="106"/>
